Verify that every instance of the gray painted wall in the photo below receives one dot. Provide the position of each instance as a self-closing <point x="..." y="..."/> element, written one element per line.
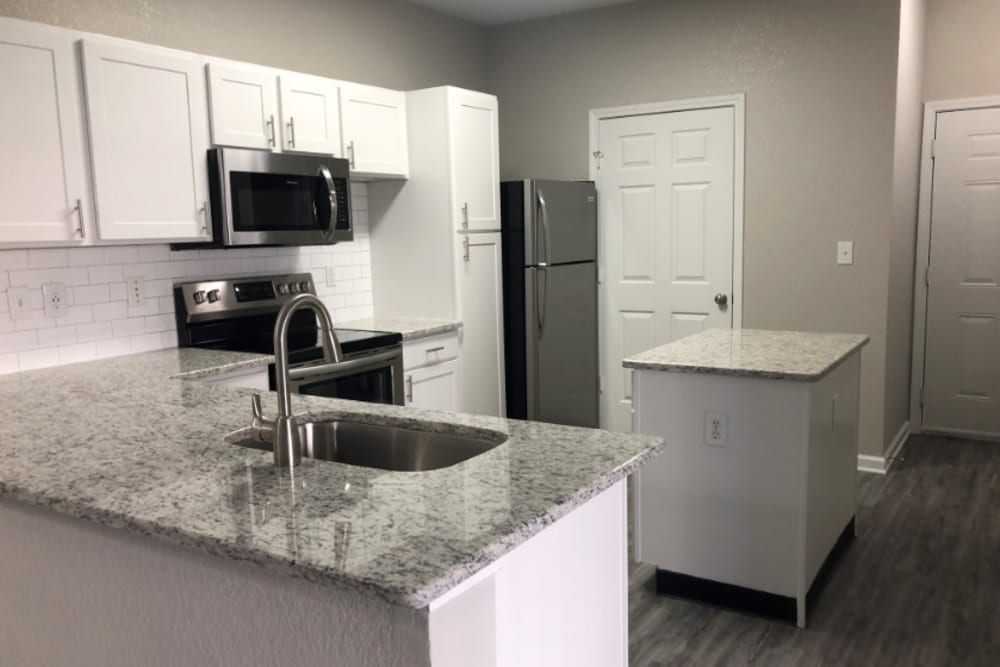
<point x="963" y="49"/>
<point x="820" y="80"/>
<point x="903" y="232"/>
<point x="382" y="42"/>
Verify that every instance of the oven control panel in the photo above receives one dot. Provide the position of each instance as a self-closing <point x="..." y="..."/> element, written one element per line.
<point x="217" y="299"/>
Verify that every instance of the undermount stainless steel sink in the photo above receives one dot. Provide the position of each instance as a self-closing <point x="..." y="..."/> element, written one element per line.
<point x="384" y="447"/>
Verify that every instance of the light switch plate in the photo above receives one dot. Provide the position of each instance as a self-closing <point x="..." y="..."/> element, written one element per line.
<point x="54" y="299"/>
<point x="331" y="278"/>
<point x="845" y="252"/>
<point x="135" y="291"/>
<point x="19" y="300"/>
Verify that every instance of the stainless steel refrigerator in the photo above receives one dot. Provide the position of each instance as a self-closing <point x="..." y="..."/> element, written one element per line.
<point x="549" y="236"/>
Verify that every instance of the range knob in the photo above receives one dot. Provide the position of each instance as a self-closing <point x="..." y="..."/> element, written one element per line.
<point x="282" y="288"/>
<point x="213" y="296"/>
<point x="199" y="297"/>
<point x="293" y="288"/>
<point x="304" y="287"/>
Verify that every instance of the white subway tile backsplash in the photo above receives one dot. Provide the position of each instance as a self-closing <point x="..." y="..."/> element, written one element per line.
<point x="98" y="323"/>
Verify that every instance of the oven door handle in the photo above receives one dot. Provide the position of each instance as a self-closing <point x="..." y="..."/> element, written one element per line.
<point x="337" y="369"/>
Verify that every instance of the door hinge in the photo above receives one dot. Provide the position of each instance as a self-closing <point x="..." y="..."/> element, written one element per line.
<point x="600" y="384"/>
<point x="927" y="276"/>
<point x="597" y="156"/>
<point x="933" y="148"/>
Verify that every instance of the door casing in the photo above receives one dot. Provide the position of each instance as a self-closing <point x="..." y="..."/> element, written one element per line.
<point x="738" y="103"/>
<point x="931" y="110"/>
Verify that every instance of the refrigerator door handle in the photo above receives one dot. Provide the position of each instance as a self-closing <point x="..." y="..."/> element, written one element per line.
<point x="541" y="302"/>
<point x="544" y="211"/>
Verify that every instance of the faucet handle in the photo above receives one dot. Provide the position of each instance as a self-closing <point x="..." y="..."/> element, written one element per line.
<point x="262" y="427"/>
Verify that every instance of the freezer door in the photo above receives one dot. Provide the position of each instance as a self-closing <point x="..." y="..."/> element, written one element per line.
<point x="561" y="335"/>
<point x="560" y="222"/>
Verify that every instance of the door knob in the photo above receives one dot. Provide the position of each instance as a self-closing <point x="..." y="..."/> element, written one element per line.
<point x="721" y="299"/>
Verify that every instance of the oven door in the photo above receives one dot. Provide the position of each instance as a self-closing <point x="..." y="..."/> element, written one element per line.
<point x="373" y="377"/>
<point x="263" y="198"/>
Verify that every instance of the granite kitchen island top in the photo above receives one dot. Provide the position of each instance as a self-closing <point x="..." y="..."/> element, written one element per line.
<point x="409" y="327"/>
<point x="138" y="443"/>
<point x="780" y="355"/>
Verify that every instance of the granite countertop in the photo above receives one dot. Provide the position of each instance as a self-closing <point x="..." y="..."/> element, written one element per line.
<point x="779" y="355"/>
<point x="409" y="327"/>
<point x="138" y="443"/>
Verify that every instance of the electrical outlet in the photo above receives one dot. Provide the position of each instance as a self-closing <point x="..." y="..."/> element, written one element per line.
<point x="135" y="289"/>
<point x="19" y="300"/>
<point x="716" y="429"/>
<point x="54" y="299"/>
<point x="331" y="279"/>
<point x="845" y="252"/>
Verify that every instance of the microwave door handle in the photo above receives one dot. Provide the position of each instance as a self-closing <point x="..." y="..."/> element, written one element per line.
<point x="331" y="189"/>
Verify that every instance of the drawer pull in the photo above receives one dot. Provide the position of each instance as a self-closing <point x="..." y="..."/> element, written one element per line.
<point x="435" y="349"/>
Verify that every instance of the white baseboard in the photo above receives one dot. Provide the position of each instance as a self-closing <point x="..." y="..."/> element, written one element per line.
<point x="881" y="464"/>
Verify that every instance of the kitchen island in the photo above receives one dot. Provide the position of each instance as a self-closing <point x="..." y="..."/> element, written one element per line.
<point x="756" y="491"/>
<point x="133" y="532"/>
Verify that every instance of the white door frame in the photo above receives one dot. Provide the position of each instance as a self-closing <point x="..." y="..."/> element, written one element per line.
<point x="931" y="110"/>
<point x="738" y="103"/>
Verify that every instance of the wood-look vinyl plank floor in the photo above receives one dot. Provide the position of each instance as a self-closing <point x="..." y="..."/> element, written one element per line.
<point x="920" y="586"/>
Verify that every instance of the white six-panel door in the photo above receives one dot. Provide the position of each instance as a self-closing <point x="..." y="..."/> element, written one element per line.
<point x="666" y="193"/>
<point x="962" y="362"/>
<point x="42" y="177"/>
<point x="148" y="115"/>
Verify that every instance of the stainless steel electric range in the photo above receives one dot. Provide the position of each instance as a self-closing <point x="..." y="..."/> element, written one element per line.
<point x="238" y="314"/>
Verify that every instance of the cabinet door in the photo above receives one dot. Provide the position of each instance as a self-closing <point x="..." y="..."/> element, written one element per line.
<point x="475" y="160"/>
<point x="374" y="130"/>
<point x="148" y="134"/>
<point x="43" y="195"/>
<point x="433" y="387"/>
<point x="480" y="303"/>
<point x="310" y="114"/>
<point x="244" y="105"/>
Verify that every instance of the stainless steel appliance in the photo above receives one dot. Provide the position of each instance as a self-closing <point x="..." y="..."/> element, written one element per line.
<point x="264" y="198"/>
<point x="549" y="231"/>
<point x="239" y="314"/>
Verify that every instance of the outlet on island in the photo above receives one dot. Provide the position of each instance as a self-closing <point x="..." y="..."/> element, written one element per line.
<point x="716" y="429"/>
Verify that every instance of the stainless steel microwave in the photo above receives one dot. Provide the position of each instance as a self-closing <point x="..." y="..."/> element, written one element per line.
<point x="264" y="198"/>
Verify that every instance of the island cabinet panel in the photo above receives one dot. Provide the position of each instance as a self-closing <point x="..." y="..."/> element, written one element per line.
<point x="148" y="115"/>
<point x="561" y="598"/>
<point x="43" y="186"/>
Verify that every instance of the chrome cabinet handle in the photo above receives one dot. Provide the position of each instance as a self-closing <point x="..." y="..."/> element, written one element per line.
<point x="409" y="388"/>
<point x="465" y="215"/>
<point x="465" y="246"/>
<point x="721" y="299"/>
<point x="204" y="218"/>
<point x="270" y="126"/>
<point x="432" y="350"/>
<point x="79" y="219"/>
<point x="291" y="131"/>
<point x="350" y="153"/>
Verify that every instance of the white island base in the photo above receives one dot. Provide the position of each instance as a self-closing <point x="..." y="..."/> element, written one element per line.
<point x="749" y="523"/>
<point x="78" y="593"/>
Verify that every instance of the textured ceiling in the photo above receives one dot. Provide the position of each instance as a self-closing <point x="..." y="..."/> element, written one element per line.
<point x="496" y="12"/>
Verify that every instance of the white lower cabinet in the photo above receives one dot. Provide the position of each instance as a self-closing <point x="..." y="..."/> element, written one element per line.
<point x="148" y="114"/>
<point x="433" y="387"/>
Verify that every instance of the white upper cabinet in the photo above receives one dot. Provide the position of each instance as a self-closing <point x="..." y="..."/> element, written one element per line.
<point x="148" y="119"/>
<point x="244" y="102"/>
<point x="474" y="160"/>
<point x="43" y="192"/>
<point x="374" y="130"/>
<point x="310" y="114"/>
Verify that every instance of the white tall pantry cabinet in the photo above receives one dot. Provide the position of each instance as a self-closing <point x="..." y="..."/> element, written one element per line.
<point x="435" y="239"/>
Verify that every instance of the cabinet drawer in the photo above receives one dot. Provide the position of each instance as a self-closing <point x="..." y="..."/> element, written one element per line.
<point x="430" y="350"/>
